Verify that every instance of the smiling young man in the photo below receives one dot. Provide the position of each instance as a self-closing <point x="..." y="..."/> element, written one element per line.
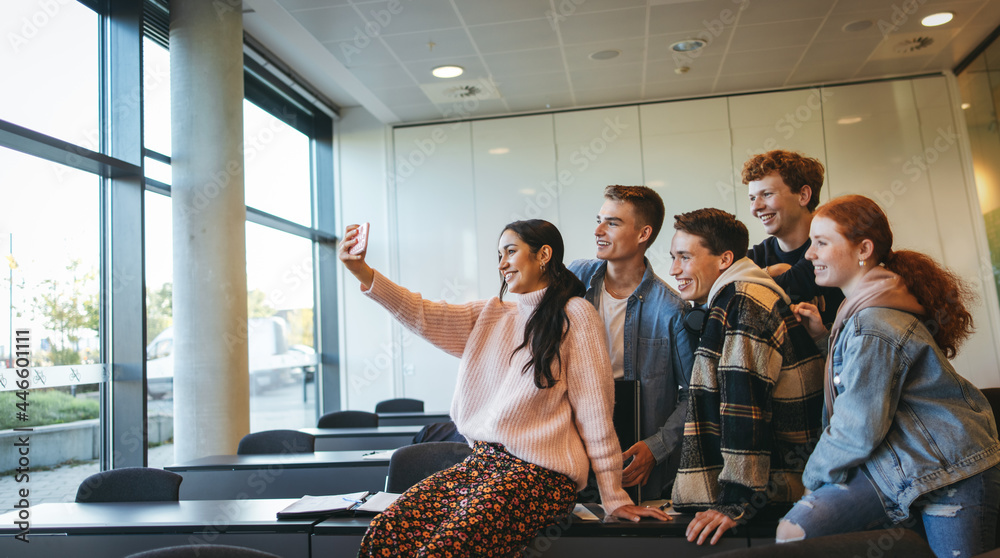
<point x="784" y="191"/>
<point x="756" y="396"/>
<point x="643" y="319"/>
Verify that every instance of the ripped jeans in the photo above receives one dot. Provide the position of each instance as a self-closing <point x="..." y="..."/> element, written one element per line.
<point x="959" y="520"/>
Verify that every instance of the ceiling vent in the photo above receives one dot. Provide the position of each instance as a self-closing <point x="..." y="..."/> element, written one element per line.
<point x="913" y="44"/>
<point x="460" y="92"/>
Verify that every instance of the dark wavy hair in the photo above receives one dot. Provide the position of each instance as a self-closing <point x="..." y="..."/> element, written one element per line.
<point x="795" y="169"/>
<point x="719" y="231"/>
<point x="942" y="293"/>
<point x="543" y="334"/>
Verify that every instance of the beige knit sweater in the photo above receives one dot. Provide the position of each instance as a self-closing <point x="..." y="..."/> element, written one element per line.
<point x="566" y="428"/>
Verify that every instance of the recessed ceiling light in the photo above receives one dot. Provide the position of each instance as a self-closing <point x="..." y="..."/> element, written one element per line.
<point x="499" y="151"/>
<point x="934" y="20"/>
<point x="849" y="120"/>
<point x="688" y="45"/>
<point x="445" y="72"/>
<point x="855" y="26"/>
<point x="965" y="106"/>
<point x="605" y="54"/>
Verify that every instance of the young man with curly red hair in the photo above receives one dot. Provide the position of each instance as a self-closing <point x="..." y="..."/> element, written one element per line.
<point x="784" y="191"/>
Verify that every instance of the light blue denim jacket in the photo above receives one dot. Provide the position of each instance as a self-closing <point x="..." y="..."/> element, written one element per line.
<point x="659" y="352"/>
<point x="902" y="411"/>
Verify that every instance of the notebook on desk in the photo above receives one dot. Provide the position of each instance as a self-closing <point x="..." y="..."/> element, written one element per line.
<point x="626" y="419"/>
<point x="323" y="506"/>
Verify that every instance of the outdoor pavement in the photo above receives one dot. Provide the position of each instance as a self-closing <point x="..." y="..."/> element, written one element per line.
<point x="282" y="407"/>
<point x="60" y="483"/>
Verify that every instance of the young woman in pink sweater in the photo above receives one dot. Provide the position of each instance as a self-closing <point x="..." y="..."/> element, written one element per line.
<point x="534" y="396"/>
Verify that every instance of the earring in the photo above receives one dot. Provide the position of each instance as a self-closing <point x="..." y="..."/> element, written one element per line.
<point x="861" y="263"/>
<point x="542" y="267"/>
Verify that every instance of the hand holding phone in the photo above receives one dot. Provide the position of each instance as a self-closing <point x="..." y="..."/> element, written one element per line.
<point x="362" y="240"/>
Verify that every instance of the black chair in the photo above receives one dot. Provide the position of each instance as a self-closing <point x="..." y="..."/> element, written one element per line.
<point x="276" y="441"/>
<point x="897" y="542"/>
<point x="130" y="484"/>
<point x="204" y="551"/>
<point x="439" y="432"/>
<point x="401" y="405"/>
<point x="348" y="419"/>
<point x="412" y="464"/>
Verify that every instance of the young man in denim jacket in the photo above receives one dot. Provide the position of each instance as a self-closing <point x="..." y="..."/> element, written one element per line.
<point x="644" y="325"/>
<point x="756" y="396"/>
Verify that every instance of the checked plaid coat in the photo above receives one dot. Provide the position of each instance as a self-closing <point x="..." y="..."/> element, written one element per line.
<point x="755" y="407"/>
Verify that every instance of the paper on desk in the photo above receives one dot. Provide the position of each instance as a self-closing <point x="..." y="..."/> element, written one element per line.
<point x="377" y="503"/>
<point x="378" y="455"/>
<point x="582" y="513"/>
<point x="662" y="504"/>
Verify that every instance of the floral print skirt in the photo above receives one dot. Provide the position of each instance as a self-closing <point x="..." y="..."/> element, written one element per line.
<point x="491" y="504"/>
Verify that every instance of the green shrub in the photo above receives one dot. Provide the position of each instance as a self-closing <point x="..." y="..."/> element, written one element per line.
<point x="45" y="406"/>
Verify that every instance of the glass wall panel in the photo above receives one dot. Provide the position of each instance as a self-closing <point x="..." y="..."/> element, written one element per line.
<point x="50" y="60"/>
<point x="159" y="330"/>
<point x="156" y="95"/>
<point x="49" y="238"/>
<point x="980" y="90"/>
<point x="277" y="166"/>
<point x="281" y="335"/>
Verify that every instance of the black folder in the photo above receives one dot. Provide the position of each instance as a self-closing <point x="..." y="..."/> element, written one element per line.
<point x="626" y="418"/>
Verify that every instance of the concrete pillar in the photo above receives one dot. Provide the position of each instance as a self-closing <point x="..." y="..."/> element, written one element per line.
<point x="211" y="388"/>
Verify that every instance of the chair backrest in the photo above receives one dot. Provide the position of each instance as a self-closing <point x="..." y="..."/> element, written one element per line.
<point x="276" y="441"/>
<point x="439" y="432"/>
<point x="204" y="551"/>
<point x="348" y="419"/>
<point x="401" y="405"/>
<point x="131" y="484"/>
<point x="412" y="464"/>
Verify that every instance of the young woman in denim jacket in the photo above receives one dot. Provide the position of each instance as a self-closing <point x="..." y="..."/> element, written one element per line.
<point x="906" y="439"/>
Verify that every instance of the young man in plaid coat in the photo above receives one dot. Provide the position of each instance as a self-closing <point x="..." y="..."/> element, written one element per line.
<point x="756" y="395"/>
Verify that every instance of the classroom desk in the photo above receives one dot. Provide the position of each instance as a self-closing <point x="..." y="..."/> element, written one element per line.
<point x="341" y="537"/>
<point x="285" y="475"/>
<point x="379" y="438"/>
<point x="412" y="419"/>
<point x="114" y="530"/>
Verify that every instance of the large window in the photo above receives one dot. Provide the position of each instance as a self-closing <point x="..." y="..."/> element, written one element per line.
<point x="50" y="62"/>
<point x="50" y="234"/>
<point x="80" y="173"/>
<point x="980" y="88"/>
<point x="282" y="305"/>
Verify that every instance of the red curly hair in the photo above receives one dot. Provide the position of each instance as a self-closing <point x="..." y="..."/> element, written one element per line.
<point x="795" y="169"/>
<point x="942" y="293"/>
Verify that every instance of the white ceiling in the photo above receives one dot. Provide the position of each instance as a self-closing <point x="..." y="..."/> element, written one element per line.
<point x="534" y="54"/>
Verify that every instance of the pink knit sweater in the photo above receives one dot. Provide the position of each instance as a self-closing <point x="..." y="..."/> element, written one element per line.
<point x="566" y="428"/>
